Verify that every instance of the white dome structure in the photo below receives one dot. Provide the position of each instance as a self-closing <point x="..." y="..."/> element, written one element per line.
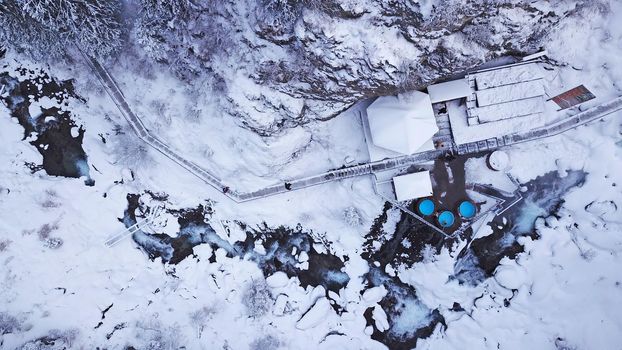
<point x="402" y="123"/>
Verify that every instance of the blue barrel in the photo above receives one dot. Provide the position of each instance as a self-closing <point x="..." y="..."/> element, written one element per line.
<point x="467" y="209"/>
<point x="426" y="207"/>
<point x="446" y="219"/>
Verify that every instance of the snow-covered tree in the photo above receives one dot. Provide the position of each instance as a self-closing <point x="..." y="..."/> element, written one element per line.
<point x="158" y="21"/>
<point x="94" y="25"/>
<point x="186" y="35"/>
<point x="154" y="335"/>
<point x="21" y="32"/>
<point x="131" y="152"/>
<point x="8" y="324"/>
<point x="55" y="339"/>
<point x="46" y="27"/>
<point x="268" y="342"/>
<point x="165" y="9"/>
<point x="257" y="298"/>
<point x="278" y="14"/>
<point x="352" y="217"/>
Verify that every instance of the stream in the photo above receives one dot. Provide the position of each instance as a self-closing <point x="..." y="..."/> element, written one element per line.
<point x="52" y="130"/>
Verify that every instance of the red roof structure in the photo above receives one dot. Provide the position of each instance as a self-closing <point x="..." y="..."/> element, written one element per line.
<point x="573" y="97"/>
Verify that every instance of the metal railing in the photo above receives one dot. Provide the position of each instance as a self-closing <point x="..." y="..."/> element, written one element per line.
<point x="553" y="129"/>
<point x="139" y="225"/>
<point x="143" y="133"/>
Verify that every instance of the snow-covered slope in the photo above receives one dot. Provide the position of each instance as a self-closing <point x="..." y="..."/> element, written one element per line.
<point x="322" y="268"/>
<point x="276" y="64"/>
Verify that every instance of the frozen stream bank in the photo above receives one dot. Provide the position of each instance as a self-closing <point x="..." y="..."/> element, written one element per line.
<point x="38" y="102"/>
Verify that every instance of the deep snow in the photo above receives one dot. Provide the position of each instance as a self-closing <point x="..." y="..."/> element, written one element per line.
<point x="316" y="283"/>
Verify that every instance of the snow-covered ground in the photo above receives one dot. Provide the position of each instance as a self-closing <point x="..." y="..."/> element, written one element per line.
<point x="62" y="288"/>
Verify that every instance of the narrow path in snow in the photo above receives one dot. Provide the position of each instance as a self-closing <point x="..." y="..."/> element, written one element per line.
<point x="144" y="134"/>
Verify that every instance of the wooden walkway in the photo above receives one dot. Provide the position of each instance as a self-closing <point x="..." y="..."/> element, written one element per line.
<point x="145" y="135"/>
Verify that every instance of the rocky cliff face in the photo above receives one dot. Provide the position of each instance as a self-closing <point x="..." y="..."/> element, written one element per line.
<point x="281" y="63"/>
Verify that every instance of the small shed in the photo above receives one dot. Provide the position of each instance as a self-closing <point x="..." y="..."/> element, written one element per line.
<point x="402" y="123"/>
<point x="412" y="186"/>
<point x="449" y="90"/>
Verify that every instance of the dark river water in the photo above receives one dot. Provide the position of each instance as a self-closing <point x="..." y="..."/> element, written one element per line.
<point x="408" y="317"/>
<point x="62" y="153"/>
<point x="542" y="198"/>
<point x="412" y="241"/>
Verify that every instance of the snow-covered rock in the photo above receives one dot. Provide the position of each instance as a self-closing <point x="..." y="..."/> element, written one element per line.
<point x="374" y="295"/>
<point x="279" y="305"/>
<point x="277" y="280"/>
<point x="380" y="319"/>
<point x="511" y="277"/>
<point x="282" y="64"/>
<point x="315" y="315"/>
<point x="360" y="49"/>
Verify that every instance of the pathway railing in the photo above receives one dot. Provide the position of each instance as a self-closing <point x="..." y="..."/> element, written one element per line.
<point x="552" y="129"/>
<point x="144" y="134"/>
<point x="138" y="226"/>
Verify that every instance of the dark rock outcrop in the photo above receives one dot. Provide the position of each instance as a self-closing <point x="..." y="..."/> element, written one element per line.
<point x="279" y="64"/>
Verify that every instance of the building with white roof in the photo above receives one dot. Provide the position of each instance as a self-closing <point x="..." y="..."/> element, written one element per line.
<point x="506" y="92"/>
<point x="493" y="102"/>
<point x="466" y="113"/>
<point x="402" y="124"/>
<point x="412" y="186"/>
<point x="449" y="90"/>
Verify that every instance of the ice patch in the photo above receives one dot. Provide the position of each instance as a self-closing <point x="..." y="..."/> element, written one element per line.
<point x="83" y="167"/>
<point x="336" y="277"/>
<point x="411" y="315"/>
<point x="530" y="211"/>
